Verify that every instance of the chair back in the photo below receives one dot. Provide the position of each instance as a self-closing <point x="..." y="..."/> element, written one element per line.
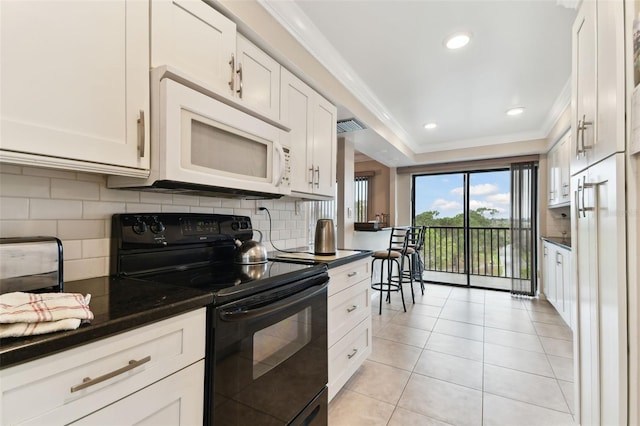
<point x="399" y="239"/>
<point x="416" y="240"/>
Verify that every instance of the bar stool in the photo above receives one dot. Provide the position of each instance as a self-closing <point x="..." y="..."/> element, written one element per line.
<point x="414" y="247"/>
<point x="398" y="241"/>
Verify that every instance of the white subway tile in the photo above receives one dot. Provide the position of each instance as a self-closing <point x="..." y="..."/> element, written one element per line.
<point x="242" y="212"/>
<point x="248" y="204"/>
<point x="71" y="249"/>
<point x="285" y="234"/>
<point x="74" y="190"/>
<point x="27" y="228"/>
<point x="155" y="198"/>
<point x="93" y="177"/>
<point x="10" y="169"/>
<point x="230" y="203"/>
<point x="222" y="211"/>
<point x="52" y="173"/>
<point x="290" y="206"/>
<point x="101" y="209"/>
<point x="143" y="208"/>
<point x="206" y="210"/>
<point x="81" y="229"/>
<point x="168" y="208"/>
<point x="55" y="209"/>
<point x="265" y="203"/>
<point x="24" y="186"/>
<point x="210" y="202"/>
<point x="186" y="200"/>
<point x="80" y="269"/>
<point x="14" y="208"/>
<point x="95" y="248"/>
<point x="107" y="194"/>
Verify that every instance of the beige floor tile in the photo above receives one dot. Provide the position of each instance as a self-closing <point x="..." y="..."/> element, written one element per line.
<point x="509" y="323"/>
<point x="517" y="359"/>
<point x="499" y="411"/>
<point x="525" y="387"/>
<point x="467" y="295"/>
<point x="403" y="334"/>
<point x="471" y="313"/>
<point x="427" y="310"/>
<point x="458" y="346"/>
<point x="514" y="339"/>
<point x="402" y="417"/>
<point x="394" y="354"/>
<point x="350" y="408"/>
<point x="460" y="329"/>
<point x="422" y="322"/>
<point x="502" y="300"/>
<point x="569" y="394"/>
<point x="562" y="367"/>
<point x="549" y="318"/>
<point x="450" y="368"/>
<point x="539" y="305"/>
<point x="506" y="312"/>
<point x="443" y="401"/>
<point x="553" y="330"/>
<point x="429" y="299"/>
<point x="557" y="347"/>
<point x="379" y="381"/>
<point x="436" y="290"/>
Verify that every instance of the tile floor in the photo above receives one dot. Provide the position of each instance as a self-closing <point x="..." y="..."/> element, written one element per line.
<point x="462" y="357"/>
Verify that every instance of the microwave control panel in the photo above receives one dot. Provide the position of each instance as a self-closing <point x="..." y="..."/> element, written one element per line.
<point x="286" y="176"/>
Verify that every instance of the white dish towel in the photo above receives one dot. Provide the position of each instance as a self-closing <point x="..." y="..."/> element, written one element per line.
<point x="26" y="314"/>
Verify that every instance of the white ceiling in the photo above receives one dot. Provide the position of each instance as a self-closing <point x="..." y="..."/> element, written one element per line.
<point x="390" y="54"/>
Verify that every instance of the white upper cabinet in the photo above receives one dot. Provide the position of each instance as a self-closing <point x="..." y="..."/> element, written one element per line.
<point x="598" y="78"/>
<point x="312" y="139"/>
<point x="559" y="175"/>
<point x="196" y="39"/>
<point x="75" y="85"/>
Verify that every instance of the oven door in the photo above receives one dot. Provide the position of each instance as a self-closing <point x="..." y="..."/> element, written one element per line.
<point x="269" y="361"/>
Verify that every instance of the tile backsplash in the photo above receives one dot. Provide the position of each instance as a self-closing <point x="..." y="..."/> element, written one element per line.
<point x="77" y="208"/>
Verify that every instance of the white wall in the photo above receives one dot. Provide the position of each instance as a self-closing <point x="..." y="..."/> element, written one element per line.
<point x="77" y="208"/>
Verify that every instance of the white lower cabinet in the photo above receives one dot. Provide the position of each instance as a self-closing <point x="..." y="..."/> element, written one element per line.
<point x="152" y="372"/>
<point x="557" y="280"/>
<point x="349" y="321"/>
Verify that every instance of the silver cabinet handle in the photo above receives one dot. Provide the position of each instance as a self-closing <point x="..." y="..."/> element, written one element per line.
<point x="352" y="308"/>
<point x="141" y="135"/>
<point x="582" y="126"/>
<point x="311" y="170"/>
<point x="232" y="63"/>
<point x="87" y="381"/>
<point x="352" y="274"/>
<point x="352" y="354"/>
<point x="318" y="174"/>
<point x="565" y="186"/>
<point x="239" y="72"/>
<point x="558" y="258"/>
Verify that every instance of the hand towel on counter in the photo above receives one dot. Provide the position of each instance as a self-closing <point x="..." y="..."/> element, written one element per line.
<point x="25" y="314"/>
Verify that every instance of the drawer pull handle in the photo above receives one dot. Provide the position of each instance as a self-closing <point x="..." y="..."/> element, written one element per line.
<point x="88" y="381"/>
<point x="352" y="274"/>
<point x="352" y="308"/>
<point x="352" y="354"/>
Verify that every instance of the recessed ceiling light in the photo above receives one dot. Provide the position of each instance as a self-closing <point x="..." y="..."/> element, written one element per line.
<point x="515" y="111"/>
<point x="456" y="41"/>
<point x="430" y="126"/>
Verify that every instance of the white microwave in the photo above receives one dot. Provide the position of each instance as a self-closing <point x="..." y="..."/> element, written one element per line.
<point x="204" y="146"/>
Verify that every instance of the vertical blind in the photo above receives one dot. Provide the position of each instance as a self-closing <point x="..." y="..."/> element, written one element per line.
<point x="523" y="228"/>
<point x="361" y="198"/>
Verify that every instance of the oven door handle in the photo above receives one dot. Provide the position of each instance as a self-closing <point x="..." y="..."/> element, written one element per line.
<point x="243" y="313"/>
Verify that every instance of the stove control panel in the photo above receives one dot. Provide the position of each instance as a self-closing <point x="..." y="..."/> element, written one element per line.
<point x="166" y="229"/>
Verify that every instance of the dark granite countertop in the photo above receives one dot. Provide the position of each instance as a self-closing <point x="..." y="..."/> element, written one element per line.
<point x="559" y="241"/>
<point x="118" y="305"/>
<point x="331" y="263"/>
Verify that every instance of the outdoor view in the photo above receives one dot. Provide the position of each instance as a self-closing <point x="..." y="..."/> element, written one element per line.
<point x="451" y="251"/>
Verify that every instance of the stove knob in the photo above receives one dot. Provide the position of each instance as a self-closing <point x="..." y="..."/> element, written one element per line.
<point x="235" y="226"/>
<point x="139" y="227"/>
<point x="157" y="227"/>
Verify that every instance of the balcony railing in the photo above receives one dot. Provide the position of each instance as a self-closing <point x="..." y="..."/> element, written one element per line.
<point x="488" y="254"/>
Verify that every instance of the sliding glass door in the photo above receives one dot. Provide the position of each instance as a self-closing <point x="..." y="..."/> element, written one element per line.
<point x="468" y="238"/>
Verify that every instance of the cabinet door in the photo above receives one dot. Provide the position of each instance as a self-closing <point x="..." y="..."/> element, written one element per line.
<point x="564" y="187"/>
<point x="295" y="113"/>
<point x="552" y="176"/>
<point x="560" y="262"/>
<point x="257" y="79"/>
<point x="550" y="274"/>
<point x="567" y="289"/>
<point x="324" y="148"/>
<point x="584" y="86"/>
<point x="196" y="39"/>
<point x="75" y="89"/>
<point x="175" y="400"/>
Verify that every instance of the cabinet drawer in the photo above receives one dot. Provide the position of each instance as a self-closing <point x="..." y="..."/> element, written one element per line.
<point x="347" y="309"/>
<point x="175" y="400"/>
<point x="347" y="275"/>
<point x="347" y="355"/>
<point x="44" y="386"/>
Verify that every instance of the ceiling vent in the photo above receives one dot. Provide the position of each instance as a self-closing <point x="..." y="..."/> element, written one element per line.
<point x="349" y="125"/>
